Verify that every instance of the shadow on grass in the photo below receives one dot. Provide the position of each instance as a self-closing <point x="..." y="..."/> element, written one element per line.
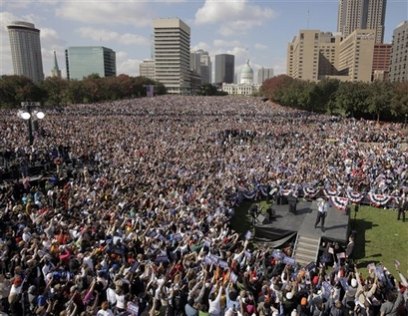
<point x="360" y="226"/>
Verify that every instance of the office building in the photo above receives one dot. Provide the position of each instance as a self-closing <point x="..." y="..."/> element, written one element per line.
<point x="399" y="55"/>
<point x="200" y="63"/>
<point x="83" y="61"/>
<point x="224" y="68"/>
<point x="315" y="55"/>
<point x="356" y="52"/>
<point x="264" y="73"/>
<point x="146" y="69"/>
<point x="376" y="18"/>
<point x="55" y="71"/>
<point x="362" y="14"/>
<point x="26" y="50"/>
<point x="303" y="56"/>
<point x="172" y="55"/>
<point x="381" y="61"/>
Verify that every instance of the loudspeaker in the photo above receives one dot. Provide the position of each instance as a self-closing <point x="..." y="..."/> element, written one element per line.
<point x="262" y="219"/>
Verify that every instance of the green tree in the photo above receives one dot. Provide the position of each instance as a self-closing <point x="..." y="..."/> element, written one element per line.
<point x="379" y="99"/>
<point x="56" y="91"/>
<point x="16" y="89"/>
<point x="207" y="89"/>
<point x="399" y="101"/>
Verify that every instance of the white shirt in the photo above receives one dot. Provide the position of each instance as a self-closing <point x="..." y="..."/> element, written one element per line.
<point x="102" y="312"/>
<point x="323" y="206"/>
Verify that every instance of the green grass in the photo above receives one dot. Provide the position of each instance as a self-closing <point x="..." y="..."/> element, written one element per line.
<point x="380" y="238"/>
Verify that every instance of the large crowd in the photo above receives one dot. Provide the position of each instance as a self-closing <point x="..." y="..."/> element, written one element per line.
<point x="131" y="216"/>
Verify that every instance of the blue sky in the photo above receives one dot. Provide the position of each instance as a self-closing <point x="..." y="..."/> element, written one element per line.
<point x="258" y="30"/>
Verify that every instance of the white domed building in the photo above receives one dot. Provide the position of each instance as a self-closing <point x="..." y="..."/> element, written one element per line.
<point x="247" y="74"/>
<point x="246" y="84"/>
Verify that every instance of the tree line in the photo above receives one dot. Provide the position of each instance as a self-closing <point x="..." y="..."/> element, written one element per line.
<point x="58" y="92"/>
<point x="380" y="100"/>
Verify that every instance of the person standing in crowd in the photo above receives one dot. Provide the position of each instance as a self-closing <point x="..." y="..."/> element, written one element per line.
<point x="402" y="206"/>
<point x="322" y="208"/>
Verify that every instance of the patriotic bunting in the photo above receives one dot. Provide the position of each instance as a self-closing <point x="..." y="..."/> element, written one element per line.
<point x="379" y="199"/>
<point x="339" y="202"/>
<point x="355" y="197"/>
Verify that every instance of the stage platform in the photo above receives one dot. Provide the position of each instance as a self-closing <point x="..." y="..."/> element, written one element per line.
<point x="286" y="224"/>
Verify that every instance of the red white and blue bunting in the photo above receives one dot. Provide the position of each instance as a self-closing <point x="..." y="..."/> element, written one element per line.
<point x="286" y="192"/>
<point x="311" y="192"/>
<point x="354" y="196"/>
<point x="330" y="192"/>
<point x="339" y="202"/>
<point x="379" y="199"/>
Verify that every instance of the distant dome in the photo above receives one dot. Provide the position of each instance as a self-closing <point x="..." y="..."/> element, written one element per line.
<point x="247" y="74"/>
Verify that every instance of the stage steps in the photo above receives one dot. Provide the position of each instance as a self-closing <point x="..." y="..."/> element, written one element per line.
<point x="306" y="249"/>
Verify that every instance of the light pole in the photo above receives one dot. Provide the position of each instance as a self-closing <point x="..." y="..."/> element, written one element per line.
<point x="30" y="115"/>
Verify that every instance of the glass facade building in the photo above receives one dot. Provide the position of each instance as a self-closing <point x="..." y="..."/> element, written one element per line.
<point x="87" y="60"/>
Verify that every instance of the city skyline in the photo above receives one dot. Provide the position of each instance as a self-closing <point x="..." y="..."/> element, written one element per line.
<point x="257" y="30"/>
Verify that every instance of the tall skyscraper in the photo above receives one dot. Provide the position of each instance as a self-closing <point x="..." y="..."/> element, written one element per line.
<point x="399" y="57"/>
<point x="83" y="61"/>
<point x="376" y="18"/>
<point x="55" y="71"/>
<point x="146" y="69"/>
<point x="224" y="68"/>
<point x="172" y="55"/>
<point x="26" y="50"/>
<point x="362" y="14"/>
<point x="264" y="73"/>
<point x="200" y="62"/>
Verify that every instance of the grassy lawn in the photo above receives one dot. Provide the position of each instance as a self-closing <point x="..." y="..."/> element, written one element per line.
<point x="380" y="238"/>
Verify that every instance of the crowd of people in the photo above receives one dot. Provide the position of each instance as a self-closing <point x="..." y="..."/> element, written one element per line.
<point x="133" y="215"/>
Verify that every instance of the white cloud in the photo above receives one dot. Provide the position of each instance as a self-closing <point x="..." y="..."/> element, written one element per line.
<point x="131" y="12"/>
<point x="234" y="16"/>
<point x="201" y="45"/>
<point x="126" y="64"/>
<point x="223" y="43"/>
<point x="97" y="34"/>
<point x="260" y="46"/>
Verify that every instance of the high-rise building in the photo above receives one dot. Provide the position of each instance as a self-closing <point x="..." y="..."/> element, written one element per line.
<point x="362" y="14"/>
<point x="356" y="52"/>
<point x="399" y="57"/>
<point x="55" y="71"/>
<point x="146" y="69"/>
<point x="172" y="55"/>
<point x="263" y="74"/>
<point x="376" y="18"/>
<point x="82" y="61"/>
<point x="315" y="55"/>
<point x="26" y="50"/>
<point x="381" y="61"/>
<point x="200" y="63"/>
<point x="303" y="55"/>
<point x="224" y="68"/>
